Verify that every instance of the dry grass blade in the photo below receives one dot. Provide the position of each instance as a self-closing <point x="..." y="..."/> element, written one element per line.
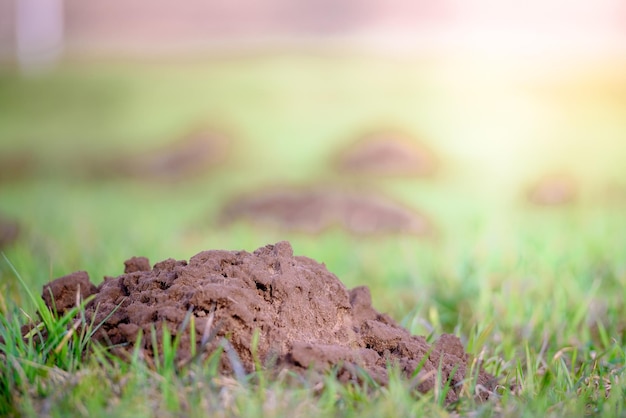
<point x="208" y="325"/>
<point x="67" y="336"/>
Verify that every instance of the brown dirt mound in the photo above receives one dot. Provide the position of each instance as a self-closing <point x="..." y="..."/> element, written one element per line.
<point x="387" y="153"/>
<point x="315" y="210"/>
<point x="305" y="317"/>
<point x="9" y="231"/>
<point x="614" y="193"/>
<point x="16" y="166"/>
<point x="192" y="155"/>
<point x="554" y="190"/>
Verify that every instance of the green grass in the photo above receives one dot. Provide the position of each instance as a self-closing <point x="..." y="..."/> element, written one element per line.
<point x="536" y="293"/>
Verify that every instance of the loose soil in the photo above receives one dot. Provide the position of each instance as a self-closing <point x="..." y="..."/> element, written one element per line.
<point x="307" y="320"/>
<point x="387" y="154"/>
<point x="318" y="209"/>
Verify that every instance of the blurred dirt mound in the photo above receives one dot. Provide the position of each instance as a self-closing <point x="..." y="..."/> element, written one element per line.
<point x="614" y="193"/>
<point x="305" y="317"/>
<point x="192" y="155"/>
<point x="17" y="165"/>
<point x="315" y="210"/>
<point x="9" y="231"/>
<point x="387" y="154"/>
<point x="553" y="190"/>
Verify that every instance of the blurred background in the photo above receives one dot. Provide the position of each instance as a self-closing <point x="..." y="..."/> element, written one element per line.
<point x="524" y="82"/>
<point x="143" y="127"/>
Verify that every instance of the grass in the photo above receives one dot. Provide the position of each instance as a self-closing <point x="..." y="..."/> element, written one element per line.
<point x="536" y="293"/>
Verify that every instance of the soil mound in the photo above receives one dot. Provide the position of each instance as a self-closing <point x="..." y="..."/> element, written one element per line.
<point x="614" y="193"/>
<point x="387" y="153"/>
<point x="16" y="166"/>
<point x="192" y="155"/>
<point x="305" y="317"/>
<point x="315" y="210"/>
<point x="9" y="231"/>
<point x="554" y="190"/>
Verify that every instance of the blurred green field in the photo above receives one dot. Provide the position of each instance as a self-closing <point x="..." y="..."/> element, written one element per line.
<point x="523" y="286"/>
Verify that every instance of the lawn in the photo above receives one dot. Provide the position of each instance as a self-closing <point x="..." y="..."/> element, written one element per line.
<point x="536" y="292"/>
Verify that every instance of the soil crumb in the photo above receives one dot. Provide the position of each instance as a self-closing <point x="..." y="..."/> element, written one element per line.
<point x="314" y="210"/>
<point x="387" y="154"/>
<point x="307" y="320"/>
<point x="192" y="155"/>
<point x="554" y="190"/>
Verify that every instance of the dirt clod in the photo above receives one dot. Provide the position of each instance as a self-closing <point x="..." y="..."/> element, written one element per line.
<point x="136" y="264"/>
<point x="305" y="317"/>
<point x="63" y="293"/>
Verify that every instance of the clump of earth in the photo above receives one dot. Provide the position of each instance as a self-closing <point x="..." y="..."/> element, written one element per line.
<point x="313" y="210"/>
<point x="306" y="319"/>
<point x="387" y="153"/>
